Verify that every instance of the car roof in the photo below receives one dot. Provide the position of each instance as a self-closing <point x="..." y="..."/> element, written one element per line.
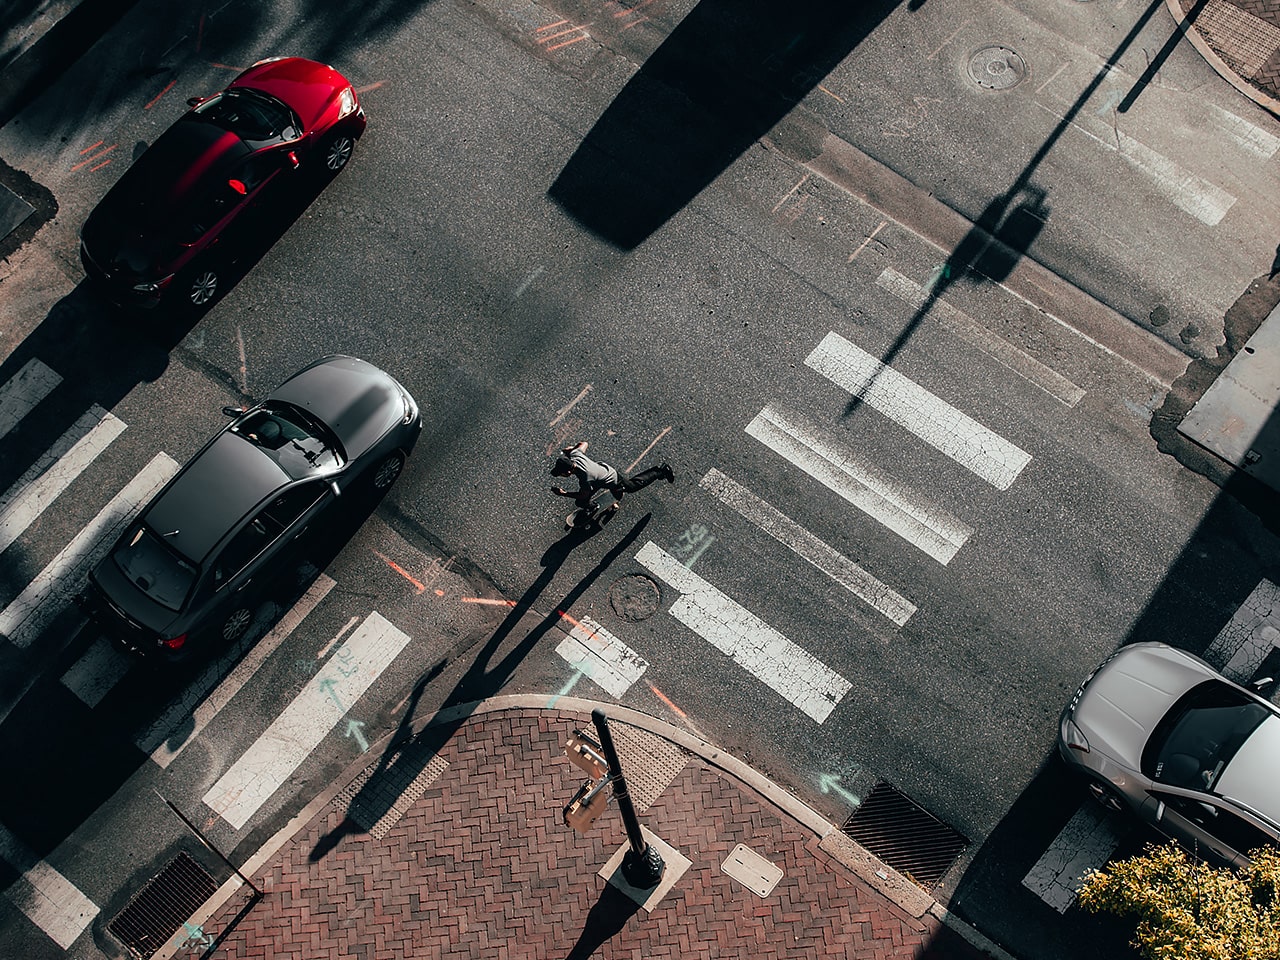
<point x="1250" y="777"/>
<point x="175" y="172"/>
<point x="213" y="493"/>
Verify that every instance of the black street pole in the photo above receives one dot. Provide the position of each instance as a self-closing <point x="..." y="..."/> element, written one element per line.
<point x="642" y="865"/>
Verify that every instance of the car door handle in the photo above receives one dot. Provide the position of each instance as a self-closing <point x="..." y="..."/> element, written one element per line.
<point x="243" y="585"/>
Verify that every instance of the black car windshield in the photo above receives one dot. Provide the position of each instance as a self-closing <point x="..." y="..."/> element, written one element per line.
<point x="1198" y="737"/>
<point x="250" y="114"/>
<point x="300" y="443"/>
<point x="155" y="569"/>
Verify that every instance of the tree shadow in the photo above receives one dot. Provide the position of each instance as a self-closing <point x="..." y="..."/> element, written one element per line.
<point x="721" y="80"/>
<point x="407" y="755"/>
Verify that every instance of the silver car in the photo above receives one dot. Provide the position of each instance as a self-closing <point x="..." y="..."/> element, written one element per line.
<point x="1158" y="731"/>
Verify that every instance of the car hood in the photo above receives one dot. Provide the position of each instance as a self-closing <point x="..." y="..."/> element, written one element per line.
<point x="355" y="399"/>
<point x="306" y="86"/>
<point x="1130" y="694"/>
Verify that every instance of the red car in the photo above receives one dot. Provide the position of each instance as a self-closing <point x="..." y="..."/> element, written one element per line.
<point x="166" y="229"/>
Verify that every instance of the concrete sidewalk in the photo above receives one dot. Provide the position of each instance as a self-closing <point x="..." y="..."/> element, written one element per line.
<point x="453" y="845"/>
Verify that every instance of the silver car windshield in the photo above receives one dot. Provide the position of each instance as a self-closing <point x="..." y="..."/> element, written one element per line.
<point x="1198" y="737"/>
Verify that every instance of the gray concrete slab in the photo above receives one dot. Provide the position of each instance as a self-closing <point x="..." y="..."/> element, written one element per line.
<point x="1236" y="418"/>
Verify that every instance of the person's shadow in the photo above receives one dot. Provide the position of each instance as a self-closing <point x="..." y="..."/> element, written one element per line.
<point x="605" y="921"/>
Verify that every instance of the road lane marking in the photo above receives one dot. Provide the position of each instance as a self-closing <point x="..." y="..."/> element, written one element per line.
<point x="989" y="342"/>
<point x="837" y="566"/>
<point x="784" y="667"/>
<point x="1247" y="639"/>
<point x="23" y="391"/>
<point x="933" y="420"/>
<point x="922" y="524"/>
<point x="98" y="670"/>
<point x="42" y="600"/>
<point x="51" y="901"/>
<point x="57" y="467"/>
<point x="1085" y="843"/>
<point x="161" y="739"/>
<point x="292" y="736"/>
<point x="1249" y="136"/>
<point x="604" y="658"/>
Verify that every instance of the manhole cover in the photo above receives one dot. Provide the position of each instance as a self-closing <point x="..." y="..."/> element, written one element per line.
<point x="634" y="598"/>
<point x="904" y="835"/>
<point x="997" y="68"/>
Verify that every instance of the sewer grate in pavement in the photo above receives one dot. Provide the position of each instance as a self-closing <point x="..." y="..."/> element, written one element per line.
<point x="158" y="910"/>
<point x="648" y="761"/>
<point x="904" y="835"/>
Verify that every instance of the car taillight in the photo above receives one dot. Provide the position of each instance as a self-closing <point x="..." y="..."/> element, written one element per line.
<point x="174" y="643"/>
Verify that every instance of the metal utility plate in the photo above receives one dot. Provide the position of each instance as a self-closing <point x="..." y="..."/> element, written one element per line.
<point x="751" y="870"/>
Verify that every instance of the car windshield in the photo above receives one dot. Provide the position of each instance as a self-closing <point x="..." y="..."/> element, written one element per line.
<point x="155" y="569"/>
<point x="1201" y="733"/>
<point x="251" y="115"/>
<point x="300" y="443"/>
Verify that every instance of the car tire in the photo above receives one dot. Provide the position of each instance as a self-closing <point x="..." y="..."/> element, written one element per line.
<point x="386" y="472"/>
<point x="236" y="624"/>
<point x="201" y="286"/>
<point x="1106" y="795"/>
<point x="336" y="152"/>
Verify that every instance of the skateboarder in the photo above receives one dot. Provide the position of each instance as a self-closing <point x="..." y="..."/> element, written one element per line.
<point x="593" y="477"/>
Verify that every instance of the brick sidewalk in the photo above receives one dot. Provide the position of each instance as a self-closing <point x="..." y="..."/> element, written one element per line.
<point x="1244" y="36"/>
<point x="480" y="865"/>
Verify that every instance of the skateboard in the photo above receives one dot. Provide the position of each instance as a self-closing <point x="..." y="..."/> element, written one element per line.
<point x="595" y="516"/>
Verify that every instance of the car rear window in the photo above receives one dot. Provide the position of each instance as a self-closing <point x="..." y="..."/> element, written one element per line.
<point x="155" y="569"/>
<point x="1197" y="738"/>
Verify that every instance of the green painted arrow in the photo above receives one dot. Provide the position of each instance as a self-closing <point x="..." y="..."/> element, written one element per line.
<point x="355" y="728"/>
<point x="940" y="274"/>
<point x="583" y="668"/>
<point x="327" y="685"/>
<point x="830" y="783"/>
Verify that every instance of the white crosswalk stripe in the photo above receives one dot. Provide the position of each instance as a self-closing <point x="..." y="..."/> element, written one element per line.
<point x="923" y="525"/>
<point x="23" y="619"/>
<point x="600" y="655"/>
<point x="99" y="669"/>
<point x="930" y="418"/>
<point x="49" y="476"/>
<point x="20" y="393"/>
<point x="50" y="900"/>
<point x="762" y="651"/>
<point x="786" y="531"/>
<point x="265" y="766"/>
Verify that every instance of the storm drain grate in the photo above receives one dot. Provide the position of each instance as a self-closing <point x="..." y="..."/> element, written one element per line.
<point x="160" y="908"/>
<point x="904" y="835"/>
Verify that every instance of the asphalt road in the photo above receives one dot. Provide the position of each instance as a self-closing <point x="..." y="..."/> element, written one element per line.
<point x="601" y="222"/>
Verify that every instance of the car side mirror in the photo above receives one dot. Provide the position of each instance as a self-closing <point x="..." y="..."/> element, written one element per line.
<point x="195" y="101"/>
<point x="1159" y="810"/>
<point x="333" y="485"/>
<point x="232" y="411"/>
<point x="1257" y="686"/>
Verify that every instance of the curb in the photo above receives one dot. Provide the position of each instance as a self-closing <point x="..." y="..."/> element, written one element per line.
<point x="1268" y="103"/>
<point x="880" y="876"/>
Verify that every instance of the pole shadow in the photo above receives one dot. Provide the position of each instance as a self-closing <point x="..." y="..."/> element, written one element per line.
<point x="608" y="918"/>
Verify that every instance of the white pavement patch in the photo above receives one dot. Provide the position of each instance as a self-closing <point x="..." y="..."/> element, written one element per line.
<point x="601" y="656"/>
<point x="49" y="476"/>
<point x="1251" y="137"/>
<point x="762" y="651"/>
<point x="1085" y="843"/>
<point x="260" y="771"/>
<point x="1249" y="636"/>
<point x="98" y="670"/>
<point x="922" y="524"/>
<point x="906" y="403"/>
<point x="23" y="391"/>
<point x="159" y="739"/>
<point x="989" y="342"/>
<point x="804" y="544"/>
<point x="23" y="619"/>
<point x="50" y="900"/>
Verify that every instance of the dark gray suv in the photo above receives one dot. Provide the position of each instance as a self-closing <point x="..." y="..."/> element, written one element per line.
<point x="187" y="572"/>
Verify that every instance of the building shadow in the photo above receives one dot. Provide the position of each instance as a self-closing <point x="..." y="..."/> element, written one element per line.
<point x="721" y="80"/>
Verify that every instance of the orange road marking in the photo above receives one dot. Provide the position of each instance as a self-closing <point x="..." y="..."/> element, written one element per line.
<point x="560" y="414"/>
<point x="92" y="148"/>
<point x="105" y="163"/>
<point x="562" y="33"/>
<point x="645" y="452"/>
<point x="94" y="159"/>
<point x="550" y="26"/>
<point x="788" y="194"/>
<point x="862" y="245"/>
<point x="833" y="96"/>
<point x="487" y="601"/>
<point x="156" y="99"/>
<point x="629" y="12"/>
<point x="567" y="42"/>
<point x="667" y="700"/>
<point x="360" y="91"/>
<point x="418" y="585"/>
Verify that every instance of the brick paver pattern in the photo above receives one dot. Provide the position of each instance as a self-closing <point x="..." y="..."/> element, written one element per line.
<point x="481" y="866"/>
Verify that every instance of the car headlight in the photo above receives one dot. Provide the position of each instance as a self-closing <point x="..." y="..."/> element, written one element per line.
<point x="153" y="287"/>
<point x="346" y="102"/>
<point x="1072" y="736"/>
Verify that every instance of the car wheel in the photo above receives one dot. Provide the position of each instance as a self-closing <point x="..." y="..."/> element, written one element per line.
<point x="386" y="472"/>
<point x="236" y="624"/>
<point x="202" y="286"/>
<point x="337" y="152"/>
<point x="1106" y="795"/>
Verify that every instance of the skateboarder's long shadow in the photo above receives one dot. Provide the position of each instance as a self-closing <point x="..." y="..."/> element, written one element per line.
<point x="408" y="754"/>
